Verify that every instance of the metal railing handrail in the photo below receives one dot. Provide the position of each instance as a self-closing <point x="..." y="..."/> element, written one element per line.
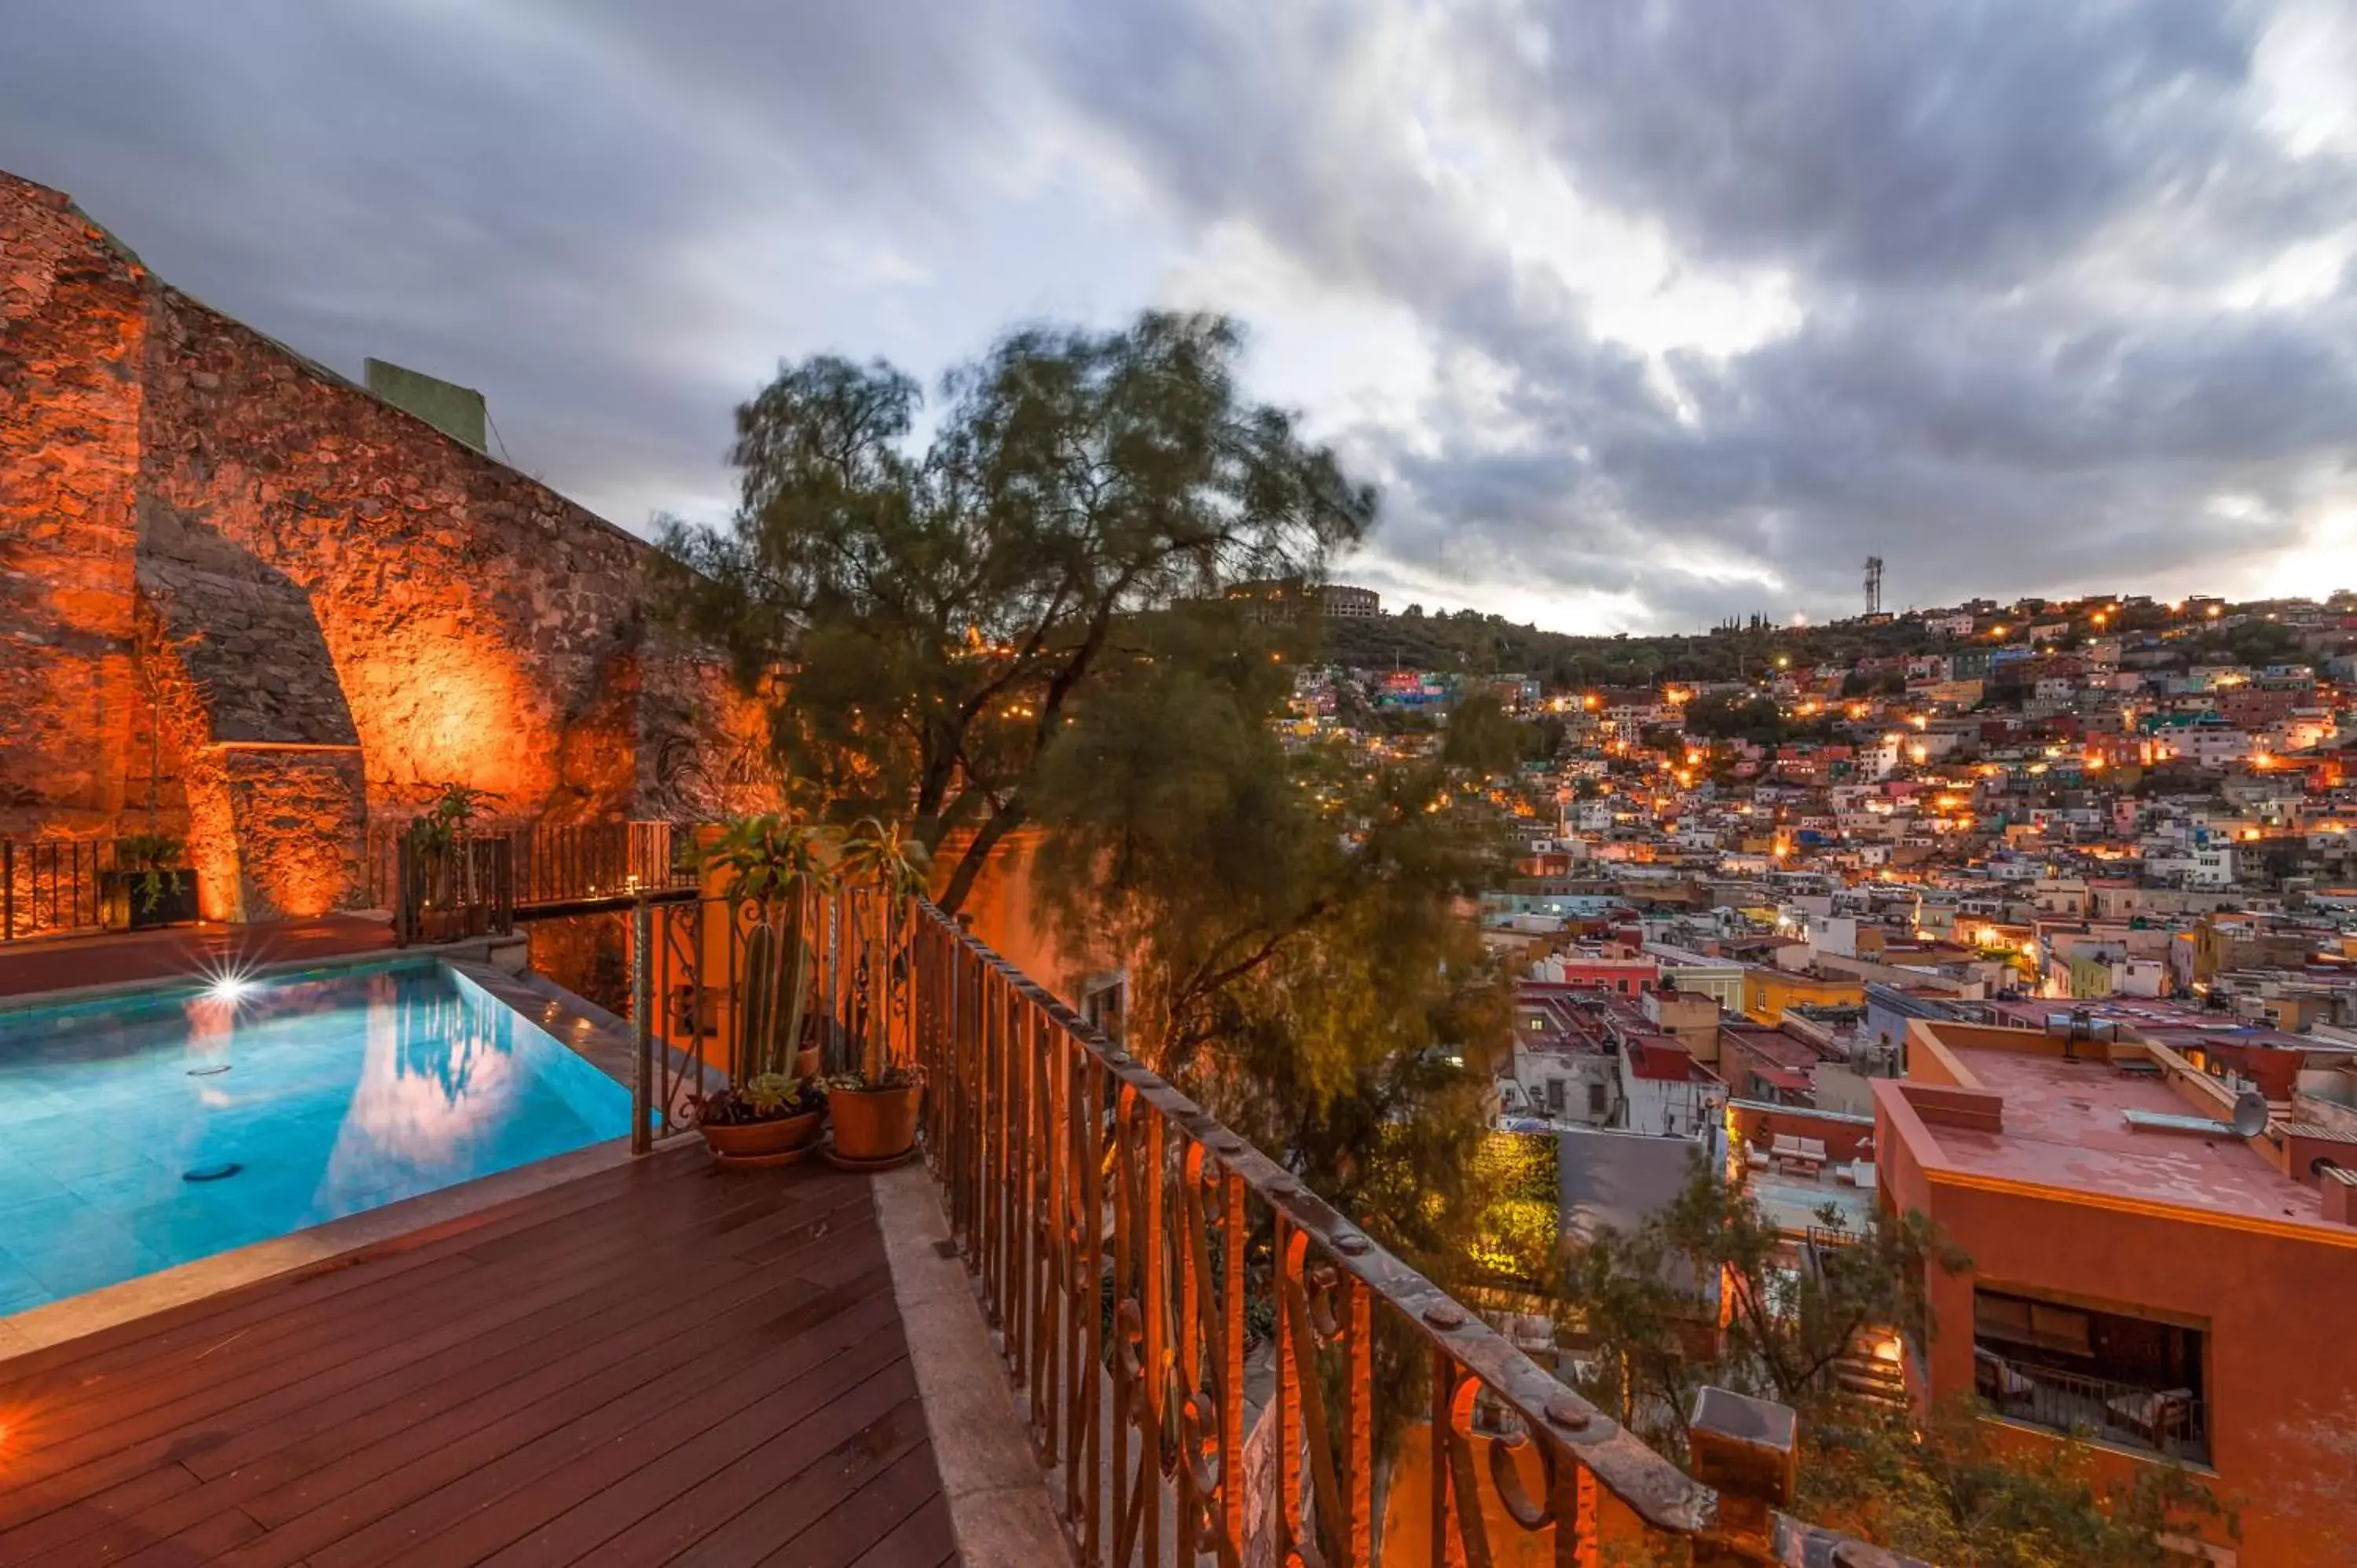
<point x="1008" y="1061"/>
<point x="50" y="885"/>
<point x="2100" y="1391"/>
<point x="1656" y="1488"/>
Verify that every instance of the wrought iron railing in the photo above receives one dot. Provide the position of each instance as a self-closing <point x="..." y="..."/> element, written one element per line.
<point x="689" y="985"/>
<point x="2137" y="1415"/>
<point x="584" y="861"/>
<point x="1214" y="1363"/>
<point x="574" y="862"/>
<point x="1125" y="1239"/>
<point x="49" y="886"/>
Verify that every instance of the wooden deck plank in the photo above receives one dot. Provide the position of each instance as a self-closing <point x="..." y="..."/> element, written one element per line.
<point x="665" y="1475"/>
<point x="640" y="1364"/>
<point x="356" y="1488"/>
<point x="201" y="1542"/>
<point x="860" y="1523"/>
<point x="226" y="1389"/>
<point x="249" y="1456"/>
<point x="538" y="1458"/>
<point x="678" y="1526"/>
<point x="783" y="1513"/>
<point x="923" y="1540"/>
<point x="116" y="1351"/>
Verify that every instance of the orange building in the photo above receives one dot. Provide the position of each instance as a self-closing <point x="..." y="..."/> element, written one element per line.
<point x="2142" y="1273"/>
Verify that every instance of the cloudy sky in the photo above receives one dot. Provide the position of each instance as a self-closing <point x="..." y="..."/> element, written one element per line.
<point x="1643" y="314"/>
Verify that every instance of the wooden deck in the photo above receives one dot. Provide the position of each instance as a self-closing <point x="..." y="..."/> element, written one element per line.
<point x="662" y="1363"/>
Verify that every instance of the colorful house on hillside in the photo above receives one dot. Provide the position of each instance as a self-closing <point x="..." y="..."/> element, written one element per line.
<point x="2157" y="1264"/>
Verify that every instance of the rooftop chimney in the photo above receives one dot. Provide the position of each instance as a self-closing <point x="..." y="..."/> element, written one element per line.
<point x="457" y="412"/>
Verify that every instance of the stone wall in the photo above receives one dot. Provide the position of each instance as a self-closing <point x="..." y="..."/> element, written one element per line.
<point x="348" y="607"/>
<point x="72" y="385"/>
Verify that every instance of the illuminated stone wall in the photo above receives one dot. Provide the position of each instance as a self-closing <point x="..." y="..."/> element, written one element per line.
<point x="72" y="341"/>
<point x="346" y="608"/>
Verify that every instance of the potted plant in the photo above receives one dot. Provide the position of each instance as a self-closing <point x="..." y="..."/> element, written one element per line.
<point x="874" y="1106"/>
<point x="775" y="871"/>
<point x="449" y="909"/>
<point x="151" y="883"/>
<point x="769" y="1120"/>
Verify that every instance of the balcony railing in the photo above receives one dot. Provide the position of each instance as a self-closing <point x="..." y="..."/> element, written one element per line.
<point x="556" y="864"/>
<point x="2166" y="1420"/>
<point x="1205" y="1350"/>
<point x="50" y="886"/>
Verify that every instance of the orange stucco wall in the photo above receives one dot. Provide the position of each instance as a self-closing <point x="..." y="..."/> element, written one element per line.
<point x="1006" y="915"/>
<point x="2274" y="1305"/>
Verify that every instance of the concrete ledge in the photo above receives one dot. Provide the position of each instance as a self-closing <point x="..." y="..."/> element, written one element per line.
<point x="996" y="1492"/>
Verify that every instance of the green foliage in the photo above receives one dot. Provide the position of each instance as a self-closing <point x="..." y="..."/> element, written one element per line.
<point x="765" y="1097"/>
<point x="1483" y="741"/>
<point x="894" y="867"/>
<point x="1295" y="960"/>
<point x="780" y="866"/>
<point x="944" y="613"/>
<point x="157" y="859"/>
<point x="1936" y="1488"/>
<point x="1945" y="1488"/>
<point x="1490" y="644"/>
<point x="1733" y="716"/>
<point x="455" y="807"/>
<point x="1643" y="1293"/>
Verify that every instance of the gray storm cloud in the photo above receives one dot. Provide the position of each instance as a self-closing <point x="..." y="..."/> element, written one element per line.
<point x="2014" y="239"/>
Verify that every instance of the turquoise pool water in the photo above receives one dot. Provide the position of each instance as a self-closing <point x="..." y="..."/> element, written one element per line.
<point x="140" y="1134"/>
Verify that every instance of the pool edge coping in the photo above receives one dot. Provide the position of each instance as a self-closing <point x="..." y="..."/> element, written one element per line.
<point x="109" y="1306"/>
<point x="474" y="950"/>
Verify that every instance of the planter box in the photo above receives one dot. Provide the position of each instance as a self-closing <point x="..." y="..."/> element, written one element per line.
<point x="453" y="925"/>
<point x="128" y="907"/>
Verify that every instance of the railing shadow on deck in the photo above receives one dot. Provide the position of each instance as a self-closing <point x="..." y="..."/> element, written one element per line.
<point x="1099" y="1208"/>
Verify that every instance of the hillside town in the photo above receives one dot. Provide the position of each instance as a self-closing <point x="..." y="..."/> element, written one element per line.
<point x="2057" y="900"/>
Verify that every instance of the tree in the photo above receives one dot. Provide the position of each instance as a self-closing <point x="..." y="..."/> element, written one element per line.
<point x="942" y="614"/>
<point x="1289" y="919"/>
<point x="1701" y="1292"/>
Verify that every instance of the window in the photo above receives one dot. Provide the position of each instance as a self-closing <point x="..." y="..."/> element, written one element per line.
<point x="1554" y="1095"/>
<point x="2111" y="1376"/>
<point x="1596" y="1098"/>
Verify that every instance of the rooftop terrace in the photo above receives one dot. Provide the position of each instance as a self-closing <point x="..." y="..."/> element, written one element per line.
<point x="2064" y="1127"/>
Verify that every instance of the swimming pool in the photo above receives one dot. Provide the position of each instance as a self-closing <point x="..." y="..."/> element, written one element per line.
<point x="140" y="1132"/>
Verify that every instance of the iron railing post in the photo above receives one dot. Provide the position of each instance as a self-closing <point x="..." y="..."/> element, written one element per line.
<point x="643" y="926"/>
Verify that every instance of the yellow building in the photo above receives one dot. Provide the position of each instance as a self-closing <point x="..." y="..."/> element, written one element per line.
<point x="1768" y="992"/>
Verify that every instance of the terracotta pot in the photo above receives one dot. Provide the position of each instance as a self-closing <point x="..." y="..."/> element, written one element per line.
<point x="806" y="1062"/>
<point x="874" y="1123"/>
<point x="778" y="1143"/>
